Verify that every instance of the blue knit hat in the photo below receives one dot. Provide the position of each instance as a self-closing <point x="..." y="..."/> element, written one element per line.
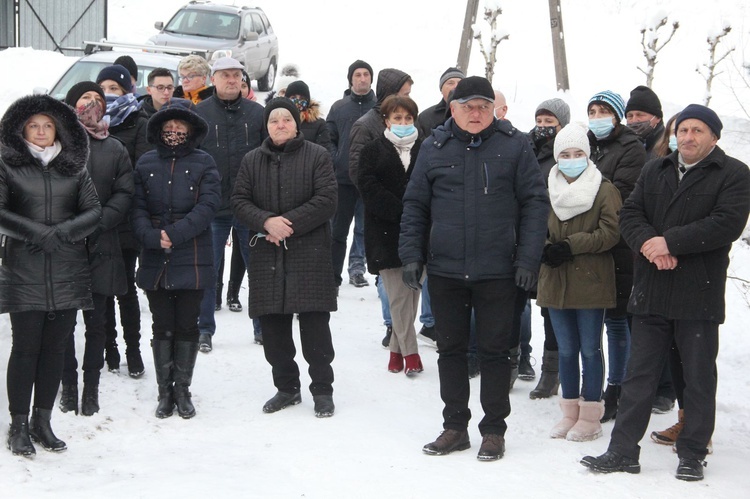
<point x="702" y="113"/>
<point x="117" y="73"/>
<point x="612" y="100"/>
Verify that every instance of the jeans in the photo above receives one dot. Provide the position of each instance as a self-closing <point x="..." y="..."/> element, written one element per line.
<point x="349" y="207"/>
<point x="426" y="318"/>
<point x="384" y="305"/>
<point x="618" y="344"/>
<point x="579" y="332"/>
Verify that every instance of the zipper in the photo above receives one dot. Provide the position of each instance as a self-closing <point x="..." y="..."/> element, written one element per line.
<point x="216" y="127"/>
<point x="47" y="257"/>
<point x="485" y="177"/>
<point x="247" y="135"/>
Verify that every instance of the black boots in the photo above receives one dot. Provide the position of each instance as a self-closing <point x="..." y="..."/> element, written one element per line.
<point x="185" y="353"/>
<point x="515" y="357"/>
<point x="112" y="356"/>
<point x="90" y="399"/>
<point x="280" y="401"/>
<point x="135" y="362"/>
<point x="219" y="290"/>
<point x="549" y="381"/>
<point x="19" y="441"/>
<point x="163" y="366"/>
<point x="40" y="431"/>
<point x="233" y="297"/>
<point x="69" y="398"/>
<point x="611" y="399"/>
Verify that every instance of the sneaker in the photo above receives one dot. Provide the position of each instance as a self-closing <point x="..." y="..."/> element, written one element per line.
<point x="662" y="405"/>
<point x="280" y="401"/>
<point x="447" y="442"/>
<point x="428" y="335"/>
<point x="387" y="338"/>
<point x="525" y="371"/>
<point x="358" y="281"/>
<point x="492" y="448"/>
<point x="204" y="342"/>
<point x="473" y="360"/>
<point x="324" y="406"/>
<point x="611" y="462"/>
<point x="690" y="469"/>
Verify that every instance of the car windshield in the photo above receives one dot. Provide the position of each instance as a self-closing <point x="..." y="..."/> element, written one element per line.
<point x="204" y="23"/>
<point x="89" y="70"/>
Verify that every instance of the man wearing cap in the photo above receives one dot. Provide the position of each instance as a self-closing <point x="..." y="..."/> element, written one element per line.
<point x="682" y="217"/>
<point x="644" y="116"/>
<point x="235" y="127"/>
<point x="436" y="115"/>
<point x="475" y="212"/>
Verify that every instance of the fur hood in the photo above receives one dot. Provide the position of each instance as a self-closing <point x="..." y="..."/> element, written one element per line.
<point x="312" y="113"/>
<point x="71" y="134"/>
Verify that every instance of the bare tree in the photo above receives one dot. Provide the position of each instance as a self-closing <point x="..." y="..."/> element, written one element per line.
<point x="708" y="69"/>
<point x="492" y="11"/>
<point x="652" y="47"/>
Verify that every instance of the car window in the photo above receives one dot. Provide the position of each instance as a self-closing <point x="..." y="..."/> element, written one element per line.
<point x="89" y="70"/>
<point x="204" y="23"/>
<point x="258" y="26"/>
<point x="267" y="24"/>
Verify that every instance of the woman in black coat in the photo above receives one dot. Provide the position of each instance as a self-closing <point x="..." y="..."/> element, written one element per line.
<point x="385" y="165"/>
<point x="285" y="193"/>
<point x="177" y="194"/>
<point x="48" y="205"/>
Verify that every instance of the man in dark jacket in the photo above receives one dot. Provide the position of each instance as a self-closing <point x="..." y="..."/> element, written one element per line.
<point x="682" y="217"/>
<point x="475" y="210"/>
<point x="160" y="90"/>
<point x="435" y="115"/>
<point x="644" y="116"/>
<point x="235" y="127"/>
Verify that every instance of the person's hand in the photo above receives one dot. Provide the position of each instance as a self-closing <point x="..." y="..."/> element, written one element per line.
<point x="556" y="254"/>
<point x="165" y="242"/>
<point x="278" y="227"/>
<point x="411" y="273"/>
<point x="666" y="262"/>
<point x="654" y="248"/>
<point x="526" y="279"/>
<point x="50" y="241"/>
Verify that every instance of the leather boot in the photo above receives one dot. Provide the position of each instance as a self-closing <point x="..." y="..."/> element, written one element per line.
<point x="588" y="426"/>
<point x="163" y="365"/>
<point x="570" y="410"/>
<point x="219" y="291"/>
<point x="185" y="353"/>
<point x="669" y="436"/>
<point x="396" y="363"/>
<point x="112" y="357"/>
<point x="40" y="431"/>
<point x="69" y="398"/>
<point x="549" y="381"/>
<point x="135" y="362"/>
<point x="413" y="364"/>
<point x="611" y="399"/>
<point x="19" y="441"/>
<point x="90" y="399"/>
<point x="233" y="297"/>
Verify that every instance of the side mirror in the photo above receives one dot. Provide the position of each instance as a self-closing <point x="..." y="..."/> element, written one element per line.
<point x="250" y="36"/>
<point x="159" y="25"/>
<point x="40" y="91"/>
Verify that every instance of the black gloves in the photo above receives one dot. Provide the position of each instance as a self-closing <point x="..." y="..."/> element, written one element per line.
<point x="526" y="279"/>
<point x="411" y="274"/>
<point x="556" y="254"/>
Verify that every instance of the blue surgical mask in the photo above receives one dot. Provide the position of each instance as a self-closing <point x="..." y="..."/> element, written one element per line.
<point x="403" y="130"/>
<point x="601" y="127"/>
<point x="573" y="167"/>
<point x="673" y="143"/>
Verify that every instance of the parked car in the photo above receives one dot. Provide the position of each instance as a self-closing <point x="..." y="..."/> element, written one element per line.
<point x="243" y="33"/>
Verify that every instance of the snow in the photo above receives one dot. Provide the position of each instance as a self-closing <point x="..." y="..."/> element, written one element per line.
<point x="372" y="446"/>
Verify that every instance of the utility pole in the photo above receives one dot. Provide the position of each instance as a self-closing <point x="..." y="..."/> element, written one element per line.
<point x="558" y="45"/>
<point x="464" y="51"/>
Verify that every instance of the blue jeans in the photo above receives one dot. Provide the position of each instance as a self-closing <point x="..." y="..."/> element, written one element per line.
<point x="618" y="346"/>
<point x="349" y="207"/>
<point x="426" y="317"/>
<point x="357" y="249"/>
<point x="384" y="305"/>
<point x="579" y="332"/>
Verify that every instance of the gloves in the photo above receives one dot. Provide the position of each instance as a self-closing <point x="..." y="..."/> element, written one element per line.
<point x="556" y="254"/>
<point x="526" y="279"/>
<point x="411" y="274"/>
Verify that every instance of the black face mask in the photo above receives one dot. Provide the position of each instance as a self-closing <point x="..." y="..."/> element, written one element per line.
<point x="544" y="132"/>
<point x="641" y="128"/>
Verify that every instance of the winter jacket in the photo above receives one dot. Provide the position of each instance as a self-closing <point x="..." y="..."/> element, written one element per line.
<point x="588" y="281"/>
<point x="35" y="198"/>
<point x="544" y="150"/>
<point x="471" y="211"/>
<point x="431" y="117"/>
<point x="314" y="128"/>
<point x="340" y="119"/>
<point x="176" y="190"/>
<point x="297" y="183"/>
<point x="234" y="129"/>
<point x="699" y="217"/>
<point x="110" y="170"/>
<point x="382" y="183"/>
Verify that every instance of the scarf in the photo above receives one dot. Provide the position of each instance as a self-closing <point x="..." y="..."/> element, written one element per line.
<point x="119" y="107"/>
<point x="571" y="199"/>
<point x="403" y="145"/>
<point x="93" y="120"/>
<point x="44" y="154"/>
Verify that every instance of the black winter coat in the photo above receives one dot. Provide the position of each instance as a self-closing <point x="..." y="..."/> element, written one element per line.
<point x="544" y="150"/>
<point x="298" y="184"/>
<point x="430" y="118"/>
<point x="699" y="217"/>
<point x="314" y="128"/>
<point x="234" y="129"/>
<point x="341" y="117"/>
<point x="35" y="198"/>
<point x="382" y="183"/>
<point x="176" y="190"/>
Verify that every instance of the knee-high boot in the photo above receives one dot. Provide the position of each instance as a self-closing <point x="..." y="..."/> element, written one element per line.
<point x="164" y="367"/>
<point x="185" y="353"/>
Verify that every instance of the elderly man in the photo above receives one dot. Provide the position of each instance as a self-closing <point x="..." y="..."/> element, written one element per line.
<point x="476" y="209"/>
<point x="437" y="114"/>
<point x="682" y="217"/>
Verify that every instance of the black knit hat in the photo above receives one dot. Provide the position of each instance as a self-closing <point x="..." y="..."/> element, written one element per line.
<point x="355" y="66"/>
<point x="128" y="63"/>
<point x="118" y="74"/>
<point x="473" y="87"/>
<point x="77" y="90"/>
<point x="298" y="87"/>
<point x="644" y="99"/>
<point x="282" y="102"/>
<point x="702" y="113"/>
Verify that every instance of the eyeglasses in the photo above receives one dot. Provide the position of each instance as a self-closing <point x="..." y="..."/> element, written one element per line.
<point x="191" y="76"/>
<point x="161" y="88"/>
<point x="482" y="108"/>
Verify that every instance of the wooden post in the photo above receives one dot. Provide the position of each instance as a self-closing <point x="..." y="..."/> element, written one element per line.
<point x="464" y="51"/>
<point x="558" y="45"/>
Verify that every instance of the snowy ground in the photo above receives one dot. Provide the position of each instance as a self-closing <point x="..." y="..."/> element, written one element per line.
<point x="371" y="447"/>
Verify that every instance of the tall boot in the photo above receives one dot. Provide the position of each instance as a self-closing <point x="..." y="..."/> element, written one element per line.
<point x="112" y="356"/>
<point x="19" y="441"/>
<point x="185" y="353"/>
<point x="233" y="296"/>
<point x="515" y="357"/>
<point x="219" y="291"/>
<point x="90" y="399"/>
<point x="40" y="431"/>
<point x="611" y="400"/>
<point x="163" y="365"/>
<point x="69" y="398"/>
<point x="549" y="381"/>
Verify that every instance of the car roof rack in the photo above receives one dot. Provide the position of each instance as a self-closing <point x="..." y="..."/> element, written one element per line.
<point x="104" y="45"/>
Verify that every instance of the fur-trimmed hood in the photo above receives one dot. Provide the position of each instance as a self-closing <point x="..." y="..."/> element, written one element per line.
<point x="312" y="113"/>
<point x="69" y="131"/>
<point x="177" y="111"/>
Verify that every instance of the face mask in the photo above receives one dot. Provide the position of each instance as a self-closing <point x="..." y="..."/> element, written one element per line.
<point x="673" y="143"/>
<point x="91" y="113"/>
<point x="403" y="130"/>
<point x="572" y="167"/>
<point x="300" y="103"/>
<point x="601" y="127"/>
<point x="641" y="128"/>
<point x="544" y="132"/>
<point x="173" y="139"/>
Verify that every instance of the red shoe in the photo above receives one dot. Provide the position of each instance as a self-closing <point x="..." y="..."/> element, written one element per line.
<point x="413" y="364"/>
<point x="396" y="364"/>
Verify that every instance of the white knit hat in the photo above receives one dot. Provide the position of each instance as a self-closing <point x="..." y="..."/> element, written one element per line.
<point x="574" y="135"/>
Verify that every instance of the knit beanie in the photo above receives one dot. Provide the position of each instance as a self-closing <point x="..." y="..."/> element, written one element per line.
<point x="128" y="63"/>
<point x="118" y="74"/>
<point x="702" y="113"/>
<point x="298" y="87"/>
<point x="644" y="99"/>
<point x="282" y="102"/>
<point x="80" y="88"/>
<point x="574" y="135"/>
<point x="451" y="73"/>
<point x="611" y="100"/>
<point x="357" y="65"/>
<point x="558" y="108"/>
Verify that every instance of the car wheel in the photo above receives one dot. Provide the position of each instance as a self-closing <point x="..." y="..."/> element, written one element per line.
<point x="265" y="84"/>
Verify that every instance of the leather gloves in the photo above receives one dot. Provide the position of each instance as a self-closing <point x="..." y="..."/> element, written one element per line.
<point x="411" y="274"/>
<point x="526" y="279"/>
<point x="556" y="254"/>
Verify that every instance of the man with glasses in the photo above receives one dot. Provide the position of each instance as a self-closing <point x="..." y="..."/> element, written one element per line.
<point x="476" y="210"/>
<point x="160" y="89"/>
<point x="193" y="71"/>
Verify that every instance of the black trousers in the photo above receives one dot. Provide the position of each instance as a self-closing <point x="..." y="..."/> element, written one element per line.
<point x="651" y="340"/>
<point x="317" y="348"/>
<point x="93" y="353"/>
<point x="130" y="307"/>
<point x="493" y="302"/>
<point x="36" y="357"/>
<point x="550" y="341"/>
<point x="342" y="220"/>
<point x="175" y="313"/>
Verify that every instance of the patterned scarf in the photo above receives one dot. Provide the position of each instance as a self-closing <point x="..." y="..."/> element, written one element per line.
<point x="119" y="107"/>
<point x="92" y="118"/>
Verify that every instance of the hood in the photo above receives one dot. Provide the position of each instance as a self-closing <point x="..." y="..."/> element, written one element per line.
<point x="177" y="109"/>
<point x="390" y="82"/>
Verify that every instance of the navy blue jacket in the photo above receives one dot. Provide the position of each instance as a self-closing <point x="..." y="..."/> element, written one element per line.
<point x="344" y="112"/>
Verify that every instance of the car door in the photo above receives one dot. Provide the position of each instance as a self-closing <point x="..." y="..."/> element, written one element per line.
<point x="251" y="48"/>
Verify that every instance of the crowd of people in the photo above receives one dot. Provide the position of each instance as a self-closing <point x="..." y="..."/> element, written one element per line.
<point x="623" y="226"/>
